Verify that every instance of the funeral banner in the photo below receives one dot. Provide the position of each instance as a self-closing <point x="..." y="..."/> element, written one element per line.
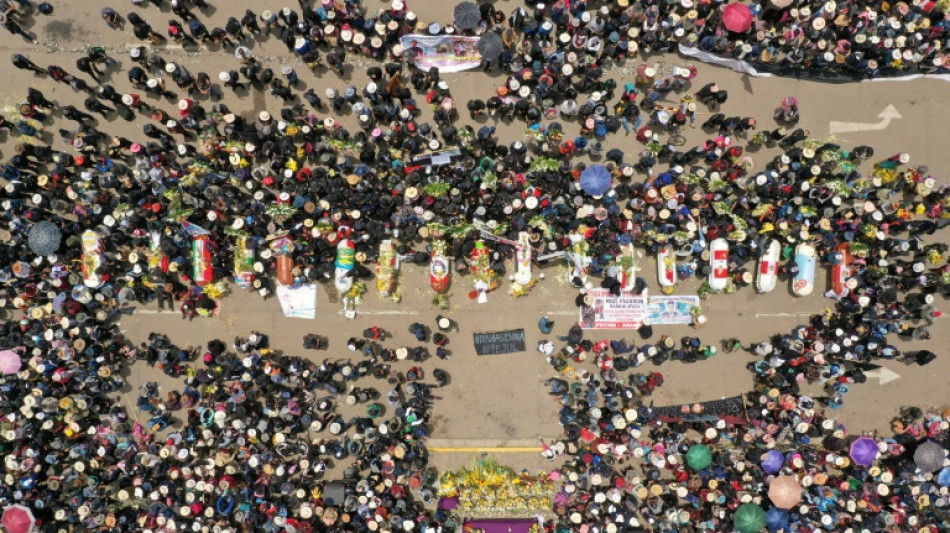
<point x="450" y="53"/>
<point x="626" y="311"/>
<point x="665" y="310"/>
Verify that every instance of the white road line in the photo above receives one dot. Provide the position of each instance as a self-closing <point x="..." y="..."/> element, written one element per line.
<point x="166" y="47"/>
<point x="154" y="312"/>
<point x="362" y="312"/>
<point x="563" y="313"/>
<point x="782" y="315"/>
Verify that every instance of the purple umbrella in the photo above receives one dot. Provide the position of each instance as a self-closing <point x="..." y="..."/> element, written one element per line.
<point x="864" y="451"/>
<point x="773" y="461"/>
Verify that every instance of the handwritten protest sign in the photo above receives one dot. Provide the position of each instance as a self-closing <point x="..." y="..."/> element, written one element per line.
<point x="499" y="342"/>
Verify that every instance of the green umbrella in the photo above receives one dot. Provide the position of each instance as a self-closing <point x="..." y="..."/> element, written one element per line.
<point x="749" y="518"/>
<point x="698" y="457"/>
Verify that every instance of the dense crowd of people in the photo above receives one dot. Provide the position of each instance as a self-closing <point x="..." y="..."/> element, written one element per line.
<point x="259" y="440"/>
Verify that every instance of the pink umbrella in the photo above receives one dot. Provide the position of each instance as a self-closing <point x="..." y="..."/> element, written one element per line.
<point x="9" y="362"/>
<point x="785" y="492"/>
<point x="17" y="519"/>
<point x="737" y="17"/>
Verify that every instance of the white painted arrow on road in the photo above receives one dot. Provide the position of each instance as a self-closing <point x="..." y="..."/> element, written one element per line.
<point x="890" y="113"/>
<point x="883" y="374"/>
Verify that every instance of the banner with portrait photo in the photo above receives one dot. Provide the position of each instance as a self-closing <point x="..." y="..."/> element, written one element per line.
<point x="626" y="311"/>
<point x="449" y="53"/>
<point x="666" y="310"/>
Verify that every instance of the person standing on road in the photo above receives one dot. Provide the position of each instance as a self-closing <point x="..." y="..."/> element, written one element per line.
<point x="22" y="62"/>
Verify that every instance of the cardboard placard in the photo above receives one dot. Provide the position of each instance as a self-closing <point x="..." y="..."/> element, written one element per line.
<point x="499" y="342"/>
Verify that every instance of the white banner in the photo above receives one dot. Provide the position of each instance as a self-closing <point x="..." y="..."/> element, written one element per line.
<point x="630" y="311"/>
<point x="298" y="302"/>
<point x="448" y="53"/>
<point x="728" y="62"/>
<point x="626" y="311"/>
<point x="664" y="310"/>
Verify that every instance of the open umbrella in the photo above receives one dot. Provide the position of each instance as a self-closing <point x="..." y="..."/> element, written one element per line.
<point x="943" y="478"/>
<point x="929" y="457"/>
<point x="595" y="180"/>
<point x="749" y="518"/>
<point x="466" y="15"/>
<point x="776" y="519"/>
<point x="9" y="362"/>
<point x="17" y="519"/>
<point x="698" y="457"/>
<point x="863" y="451"/>
<point x="490" y="46"/>
<point x="44" y="238"/>
<point x="773" y="461"/>
<point x="785" y="492"/>
<point x="737" y="17"/>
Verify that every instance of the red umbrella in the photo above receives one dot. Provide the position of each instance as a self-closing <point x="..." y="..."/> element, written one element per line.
<point x="17" y="519"/>
<point x="737" y="17"/>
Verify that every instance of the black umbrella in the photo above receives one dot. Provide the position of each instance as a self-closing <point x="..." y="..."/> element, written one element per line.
<point x="467" y="15"/>
<point x="924" y="357"/>
<point x="490" y="46"/>
<point x="929" y="457"/>
<point x="44" y="238"/>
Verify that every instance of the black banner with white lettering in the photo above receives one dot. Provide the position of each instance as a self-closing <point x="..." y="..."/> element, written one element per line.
<point x="499" y="342"/>
<point x="730" y="409"/>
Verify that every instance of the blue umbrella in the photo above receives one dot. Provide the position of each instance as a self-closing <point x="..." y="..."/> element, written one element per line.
<point x="776" y="519"/>
<point x="773" y="461"/>
<point x="943" y="478"/>
<point x="595" y="180"/>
